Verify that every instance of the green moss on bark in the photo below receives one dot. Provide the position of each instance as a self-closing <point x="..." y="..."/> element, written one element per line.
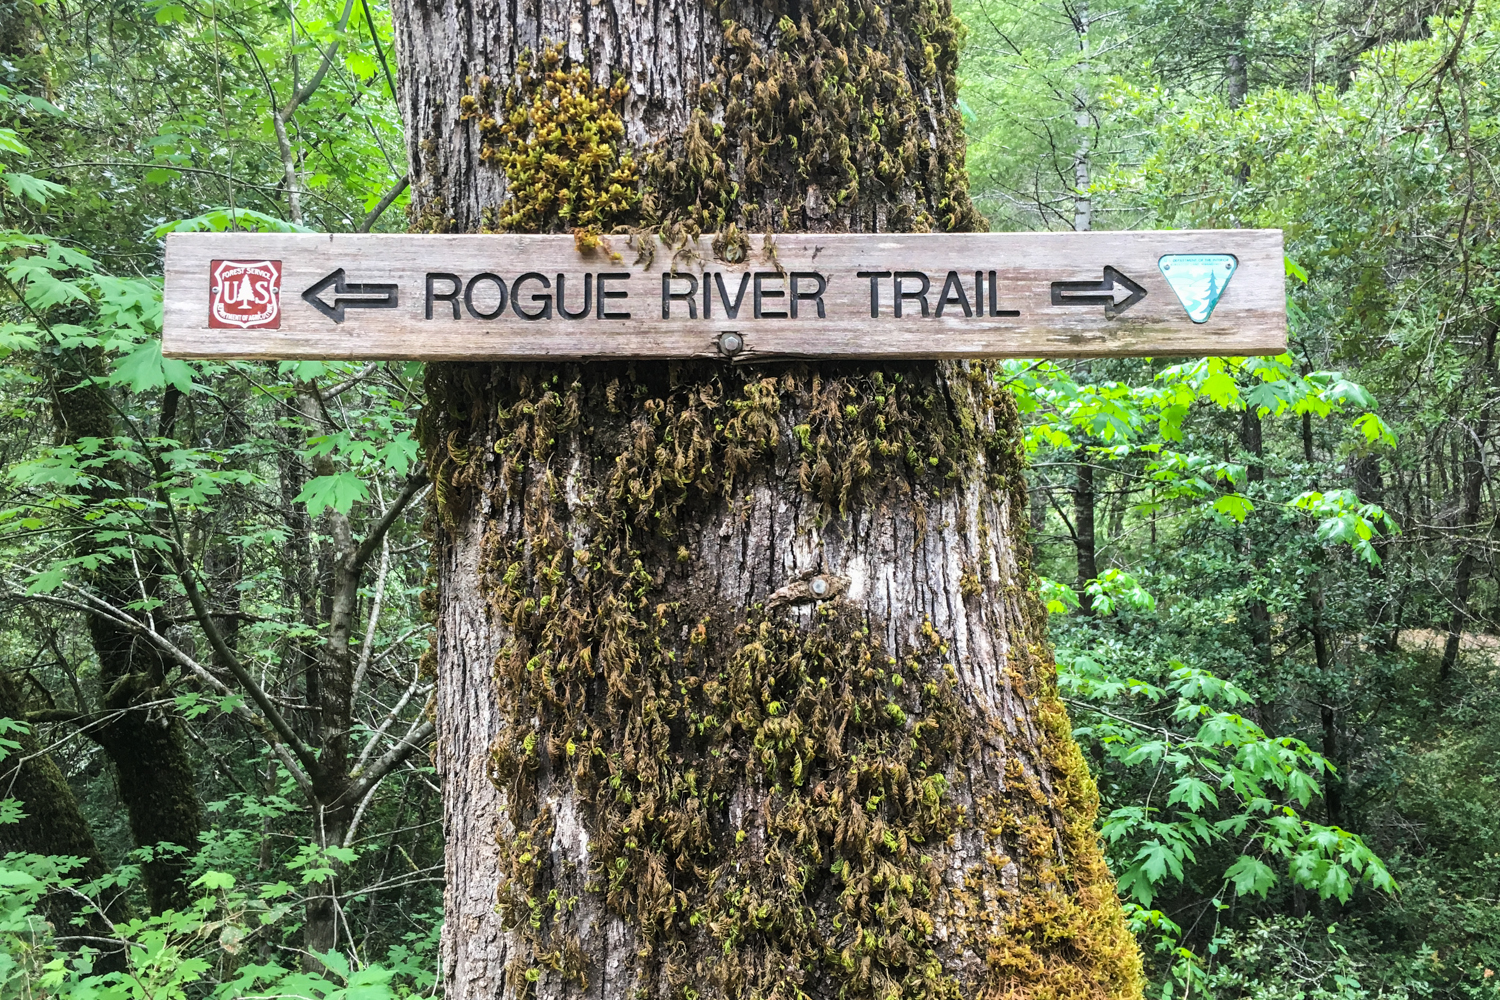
<point x="838" y="117"/>
<point x="772" y="804"/>
<point x="846" y="119"/>
<point x="558" y="138"/>
<point x="769" y="804"/>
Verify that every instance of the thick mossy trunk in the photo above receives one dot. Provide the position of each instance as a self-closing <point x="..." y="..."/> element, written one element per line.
<point x="743" y="686"/>
<point x="744" y="691"/>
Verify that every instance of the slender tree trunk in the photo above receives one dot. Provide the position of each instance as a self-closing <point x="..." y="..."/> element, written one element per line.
<point x="734" y="698"/>
<point x="1083" y="121"/>
<point x="335" y="792"/>
<point x="1474" y="474"/>
<point x="1239" y="77"/>
<point x="1384" y="607"/>
<point x="146" y="744"/>
<point x="1323" y="656"/>
<point x="330" y="680"/>
<point x="1255" y="472"/>
<point x="1237" y="80"/>
<point x="1333" y="796"/>
<point x="334" y="800"/>
<point x="1085" y="542"/>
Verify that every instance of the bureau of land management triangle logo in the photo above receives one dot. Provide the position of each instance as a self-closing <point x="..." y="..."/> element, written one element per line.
<point x="244" y="294"/>
<point x="1199" y="279"/>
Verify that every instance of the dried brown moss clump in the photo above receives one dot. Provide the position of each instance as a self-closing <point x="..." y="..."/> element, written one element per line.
<point x="558" y="137"/>
<point x="772" y="805"/>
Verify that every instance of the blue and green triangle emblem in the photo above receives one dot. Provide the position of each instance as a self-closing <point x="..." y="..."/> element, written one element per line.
<point x="1198" y="279"/>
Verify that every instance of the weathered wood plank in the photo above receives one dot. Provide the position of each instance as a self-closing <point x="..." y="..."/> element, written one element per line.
<point x="436" y="275"/>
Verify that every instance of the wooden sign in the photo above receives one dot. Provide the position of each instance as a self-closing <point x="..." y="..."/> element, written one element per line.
<point x="276" y="295"/>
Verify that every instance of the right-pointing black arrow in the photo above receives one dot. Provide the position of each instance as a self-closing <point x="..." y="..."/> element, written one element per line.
<point x="1114" y="298"/>
<point x="347" y="296"/>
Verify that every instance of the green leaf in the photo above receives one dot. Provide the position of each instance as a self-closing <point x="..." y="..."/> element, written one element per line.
<point x="1135" y="884"/>
<point x="11" y="143"/>
<point x="144" y="369"/>
<point x="361" y="64"/>
<point x="1250" y="877"/>
<point x="335" y="962"/>
<point x="215" y="880"/>
<point x="1375" y="430"/>
<point x="400" y="453"/>
<point x="344" y="854"/>
<point x="340" y="491"/>
<point x="43" y="289"/>
<point x="46" y="581"/>
<point x="220" y="220"/>
<point x="1060" y="597"/>
<point x="170" y="13"/>
<point x="1236" y="505"/>
<point x="1221" y="388"/>
<point x="303" y="371"/>
<point x="1157" y="859"/>
<point x="1193" y="793"/>
<point x="12" y="876"/>
<point x="31" y="188"/>
<point x="1267" y="397"/>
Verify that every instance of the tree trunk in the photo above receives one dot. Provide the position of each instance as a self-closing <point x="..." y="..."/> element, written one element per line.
<point x="742" y="685"/>
<point x="1083" y="120"/>
<point x="51" y="822"/>
<point x="1384" y="614"/>
<point x="330" y="687"/>
<point x="146" y="743"/>
<point x="337" y="783"/>
<point x="1333" y="782"/>
<point x="1085" y="538"/>
<point x="1475" y="442"/>
<point x="1259" y="615"/>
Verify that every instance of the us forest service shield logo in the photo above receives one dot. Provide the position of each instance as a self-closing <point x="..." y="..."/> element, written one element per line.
<point x="244" y="294"/>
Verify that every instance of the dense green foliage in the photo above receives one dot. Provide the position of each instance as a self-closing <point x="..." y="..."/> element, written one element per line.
<point x="177" y="538"/>
<point x="1315" y="533"/>
<point x="1272" y="580"/>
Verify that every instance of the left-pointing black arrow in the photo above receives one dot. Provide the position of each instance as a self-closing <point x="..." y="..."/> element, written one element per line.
<point x="347" y="296"/>
<point x="1114" y="299"/>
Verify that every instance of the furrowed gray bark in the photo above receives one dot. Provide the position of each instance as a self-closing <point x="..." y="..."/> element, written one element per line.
<point x="742" y="686"/>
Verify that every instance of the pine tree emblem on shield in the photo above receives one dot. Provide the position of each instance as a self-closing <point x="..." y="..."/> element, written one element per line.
<point x="244" y="294"/>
